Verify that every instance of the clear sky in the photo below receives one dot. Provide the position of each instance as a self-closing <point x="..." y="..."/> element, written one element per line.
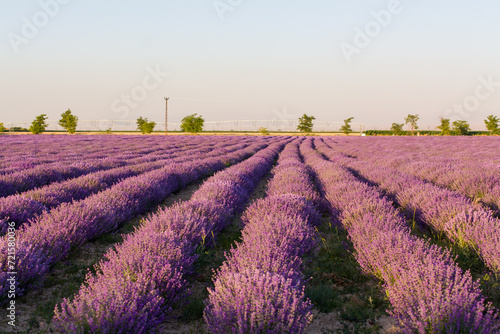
<point x="251" y="59"/>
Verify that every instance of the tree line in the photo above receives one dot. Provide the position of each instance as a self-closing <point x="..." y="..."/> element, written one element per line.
<point x="194" y="124"/>
<point x="69" y="122"/>
<point x="458" y="127"/>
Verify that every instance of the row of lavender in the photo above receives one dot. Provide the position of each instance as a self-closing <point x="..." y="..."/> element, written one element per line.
<point x="55" y="233"/>
<point x="22" y="152"/>
<point x="464" y="222"/>
<point x="427" y="290"/>
<point x="479" y="150"/>
<point x="50" y="147"/>
<point x="40" y="175"/>
<point x="260" y="288"/>
<point x="24" y="207"/>
<point x="135" y="288"/>
<point x="471" y="169"/>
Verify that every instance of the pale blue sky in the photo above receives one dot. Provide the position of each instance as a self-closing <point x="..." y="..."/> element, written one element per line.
<point x="262" y="58"/>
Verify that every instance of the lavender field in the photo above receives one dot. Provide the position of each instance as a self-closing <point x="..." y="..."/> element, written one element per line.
<point x="216" y="234"/>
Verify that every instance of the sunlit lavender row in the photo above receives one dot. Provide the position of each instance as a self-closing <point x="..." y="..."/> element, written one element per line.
<point x="260" y="287"/>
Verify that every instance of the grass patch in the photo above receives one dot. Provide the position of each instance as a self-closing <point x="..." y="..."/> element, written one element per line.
<point x="324" y="297"/>
<point x="193" y="309"/>
<point x="338" y="283"/>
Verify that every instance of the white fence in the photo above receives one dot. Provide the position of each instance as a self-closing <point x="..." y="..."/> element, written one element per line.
<point x="237" y="125"/>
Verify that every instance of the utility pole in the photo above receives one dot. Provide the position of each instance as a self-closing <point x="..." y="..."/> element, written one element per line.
<point x="166" y="109"/>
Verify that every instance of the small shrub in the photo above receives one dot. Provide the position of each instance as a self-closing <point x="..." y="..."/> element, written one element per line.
<point x="324" y="297"/>
<point x="144" y="126"/>
<point x="263" y="131"/>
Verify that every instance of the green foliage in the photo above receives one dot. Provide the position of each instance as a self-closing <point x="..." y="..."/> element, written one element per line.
<point x="2" y="128"/>
<point x="356" y="309"/>
<point x="445" y="126"/>
<point x="68" y="121"/>
<point x="38" y="125"/>
<point x="492" y="124"/>
<point x="306" y="123"/>
<point x="144" y="126"/>
<point x="346" y="128"/>
<point x="412" y="120"/>
<point x="264" y="131"/>
<point x="18" y="129"/>
<point x="193" y="308"/>
<point x="397" y="129"/>
<point x="324" y="297"/>
<point x="461" y="128"/>
<point x="422" y="133"/>
<point x="108" y="131"/>
<point x="192" y="123"/>
<point x="338" y="283"/>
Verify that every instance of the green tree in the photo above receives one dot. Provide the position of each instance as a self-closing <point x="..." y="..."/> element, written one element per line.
<point x="68" y="121"/>
<point x="2" y="128"/>
<point x="346" y="128"/>
<point x="461" y="128"/>
<point x="445" y="126"/>
<point x="412" y="120"/>
<point x="397" y="129"/>
<point x="492" y="124"/>
<point x="263" y="131"/>
<point x="144" y="126"/>
<point x="38" y="125"/>
<point x="306" y="123"/>
<point x="192" y="123"/>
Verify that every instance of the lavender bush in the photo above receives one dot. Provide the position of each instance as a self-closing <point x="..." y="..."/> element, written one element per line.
<point x="260" y="288"/>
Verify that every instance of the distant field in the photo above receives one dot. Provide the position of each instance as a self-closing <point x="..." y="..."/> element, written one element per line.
<point x="207" y="133"/>
<point x="250" y="234"/>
